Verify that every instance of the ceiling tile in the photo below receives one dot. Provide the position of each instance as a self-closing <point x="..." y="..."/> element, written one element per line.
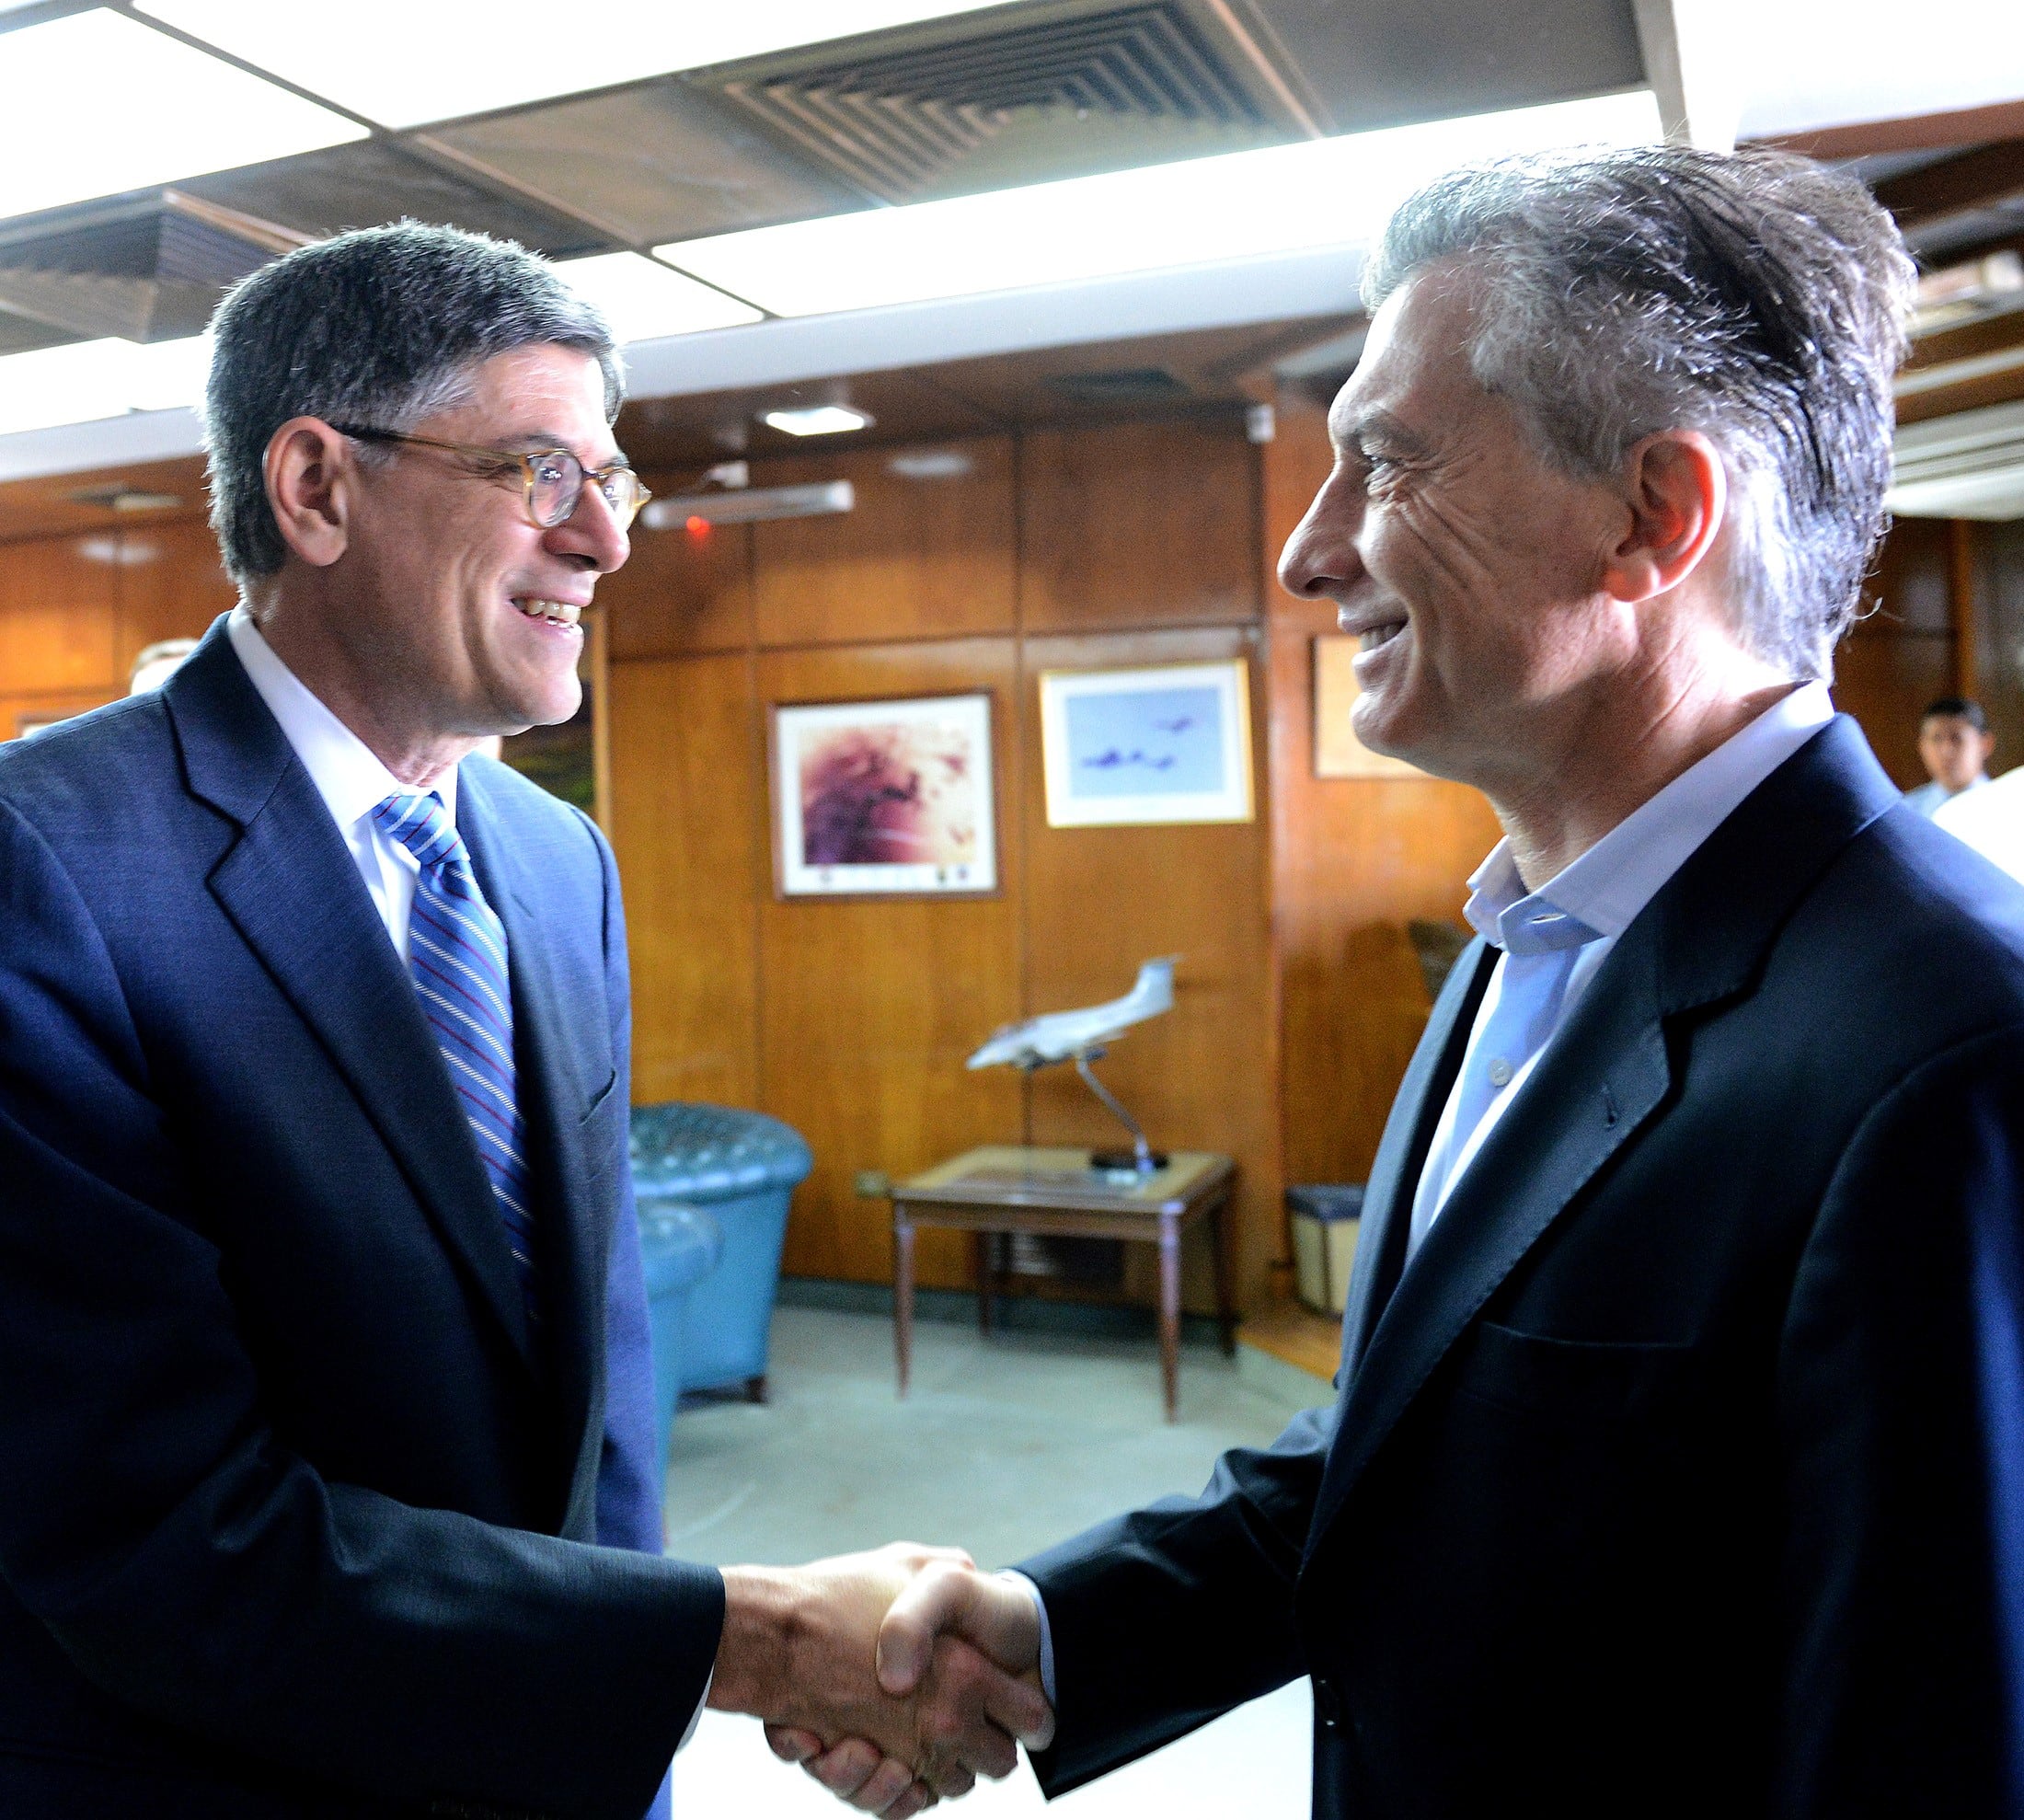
<point x="364" y="185"/>
<point x="660" y="162"/>
<point x="1386" y="63"/>
<point x="19" y="335"/>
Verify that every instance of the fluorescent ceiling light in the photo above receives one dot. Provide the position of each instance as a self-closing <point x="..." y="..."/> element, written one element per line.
<point x="1323" y="192"/>
<point x="816" y="420"/>
<point x="83" y="381"/>
<point x="98" y="103"/>
<point x="403" y="65"/>
<point x="643" y="300"/>
<point x="757" y="505"/>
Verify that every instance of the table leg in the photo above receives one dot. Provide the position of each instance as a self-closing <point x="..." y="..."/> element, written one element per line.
<point x="903" y="1295"/>
<point x="1226" y="1301"/>
<point x="1170" y="1312"/>
<point x="983" y="1253"/>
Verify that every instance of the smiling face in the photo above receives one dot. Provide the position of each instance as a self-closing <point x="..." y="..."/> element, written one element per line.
<point x="464" y="613"/>
<point x="1469" y="565"/>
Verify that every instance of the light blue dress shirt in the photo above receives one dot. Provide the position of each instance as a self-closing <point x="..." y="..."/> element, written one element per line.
<point x="1555" y="939"/>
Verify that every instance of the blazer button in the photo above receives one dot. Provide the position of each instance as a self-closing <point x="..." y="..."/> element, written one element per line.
<point x="1327" y="1704"/>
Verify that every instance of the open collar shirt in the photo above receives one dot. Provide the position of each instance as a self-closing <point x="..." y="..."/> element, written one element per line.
<point x="1602" y="890"/>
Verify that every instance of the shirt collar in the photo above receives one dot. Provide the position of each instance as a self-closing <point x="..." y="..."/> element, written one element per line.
<point x="1601" y="892"/>
<point x="346" y="771"/>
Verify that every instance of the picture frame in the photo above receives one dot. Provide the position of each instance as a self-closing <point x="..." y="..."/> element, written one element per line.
<point x="1338" y="753"/>
<point x="884" y="799"/>
<point x="1147" y="746"/>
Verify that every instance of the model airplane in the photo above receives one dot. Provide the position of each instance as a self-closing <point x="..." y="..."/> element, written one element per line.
<point x="1059" y="1035"/>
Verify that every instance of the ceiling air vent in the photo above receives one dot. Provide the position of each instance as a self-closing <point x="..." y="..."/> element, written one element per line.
<point x="1069" y="89"/>
<point x="1124" y="385"/>
<point x="146" y="268"/>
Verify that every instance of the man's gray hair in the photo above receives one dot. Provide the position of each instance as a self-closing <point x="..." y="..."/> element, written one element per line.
<point x="1757" y="298"/>
<point x="381" y="327"/>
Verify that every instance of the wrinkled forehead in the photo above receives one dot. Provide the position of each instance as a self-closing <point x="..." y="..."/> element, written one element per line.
<point x="1415" y="365"/>
<point x="543" y="394"/>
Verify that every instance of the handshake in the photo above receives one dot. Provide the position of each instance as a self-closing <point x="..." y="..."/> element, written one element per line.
<point x="894" y="1677"/>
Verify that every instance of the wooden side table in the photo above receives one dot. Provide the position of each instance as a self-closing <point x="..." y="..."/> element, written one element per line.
<point x="1002" y="1188"/>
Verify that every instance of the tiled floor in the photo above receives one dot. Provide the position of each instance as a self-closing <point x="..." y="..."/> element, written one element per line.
<point x="1006" y="1445"/>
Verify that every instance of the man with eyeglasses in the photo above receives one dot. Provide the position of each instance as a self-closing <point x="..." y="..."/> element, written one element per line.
<point x="325" y="1454"/>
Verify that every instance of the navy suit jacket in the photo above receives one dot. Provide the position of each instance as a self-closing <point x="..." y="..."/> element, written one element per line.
<point x="1682" y="1472"/>
<point x="297" y="1515"/>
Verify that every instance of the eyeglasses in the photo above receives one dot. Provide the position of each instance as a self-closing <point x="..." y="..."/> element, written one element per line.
<point x="553" y="477"/>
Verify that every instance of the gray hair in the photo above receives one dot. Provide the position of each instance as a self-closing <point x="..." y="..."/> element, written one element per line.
<point x="382" y="326"/>
<point x="1757" y="298"/>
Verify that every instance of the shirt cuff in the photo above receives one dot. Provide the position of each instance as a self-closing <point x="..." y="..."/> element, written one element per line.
<point x="1047" y="1632"/>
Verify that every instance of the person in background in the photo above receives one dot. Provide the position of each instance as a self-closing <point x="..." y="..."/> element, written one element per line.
<point x="157" y="662"/>
<point x="1954" y="744"/>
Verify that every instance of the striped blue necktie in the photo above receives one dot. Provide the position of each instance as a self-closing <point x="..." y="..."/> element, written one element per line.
<point x="456" y="952"/>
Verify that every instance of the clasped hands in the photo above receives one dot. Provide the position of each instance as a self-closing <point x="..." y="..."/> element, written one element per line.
<point x="895" y="1678"/>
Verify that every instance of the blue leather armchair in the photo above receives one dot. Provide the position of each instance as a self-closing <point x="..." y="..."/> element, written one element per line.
<point x="679" y="1247"/>
<point x="741" y="1168"/>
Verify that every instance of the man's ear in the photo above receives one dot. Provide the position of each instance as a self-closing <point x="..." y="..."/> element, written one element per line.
<point x="1677" y="494"/>
<point x="309" y="471"/>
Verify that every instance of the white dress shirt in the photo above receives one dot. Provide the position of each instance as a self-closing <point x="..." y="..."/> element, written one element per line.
<point x="346" y="775"/>
<point x="1604" y="888"/>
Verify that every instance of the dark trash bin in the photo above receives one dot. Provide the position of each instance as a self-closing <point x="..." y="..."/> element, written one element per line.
<point x="741" y="1168"/>
<point x="679" y="1247"/>
<point x="1325" y="1218"/>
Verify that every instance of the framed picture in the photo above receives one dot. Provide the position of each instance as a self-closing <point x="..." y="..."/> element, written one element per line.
<point x="1129" y="748"/>
<point x="884" y="798"/>
<point x="1338" y="753"/>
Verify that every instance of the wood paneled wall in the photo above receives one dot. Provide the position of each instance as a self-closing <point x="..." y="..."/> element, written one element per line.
<point x="75" y="611"/>
<point x="1989" y="591"/>
<point x="1127" y="543"/>
<point x="1903" y="652"/>
<point x="1299" y="995"/>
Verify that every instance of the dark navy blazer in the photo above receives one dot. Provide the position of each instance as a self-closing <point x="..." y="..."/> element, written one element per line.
<point x="1683" y="1473"/>
<point x="297" y="1515"/>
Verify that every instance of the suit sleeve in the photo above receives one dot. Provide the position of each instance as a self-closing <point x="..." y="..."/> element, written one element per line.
<point x="629" y="1496"/>
<point x="176" y="1550"/>
<point x="1901" y="1398"/>
<point x="1167" y="1617"/>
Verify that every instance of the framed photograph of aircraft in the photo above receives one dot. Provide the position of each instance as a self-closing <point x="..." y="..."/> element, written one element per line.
<point x="1124" y="748"/>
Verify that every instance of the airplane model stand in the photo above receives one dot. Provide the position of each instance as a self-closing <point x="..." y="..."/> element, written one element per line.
<point x="1141" y="1158"/>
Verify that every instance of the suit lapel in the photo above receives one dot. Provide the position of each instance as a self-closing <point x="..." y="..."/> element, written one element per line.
<point x="290" y="886"/>
<point x="571" y="1245"/>
<point x="1604" y="1075"/>
<point x="1700" y="941"/>
<point x="1402" y="1151"/>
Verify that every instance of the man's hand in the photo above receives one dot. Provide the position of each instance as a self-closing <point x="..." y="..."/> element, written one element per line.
<point x="948" y="1634"/>
<point x="801" y="1649"/>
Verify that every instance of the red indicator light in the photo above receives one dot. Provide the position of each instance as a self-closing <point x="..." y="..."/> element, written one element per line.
<point x="696" y="525"/>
